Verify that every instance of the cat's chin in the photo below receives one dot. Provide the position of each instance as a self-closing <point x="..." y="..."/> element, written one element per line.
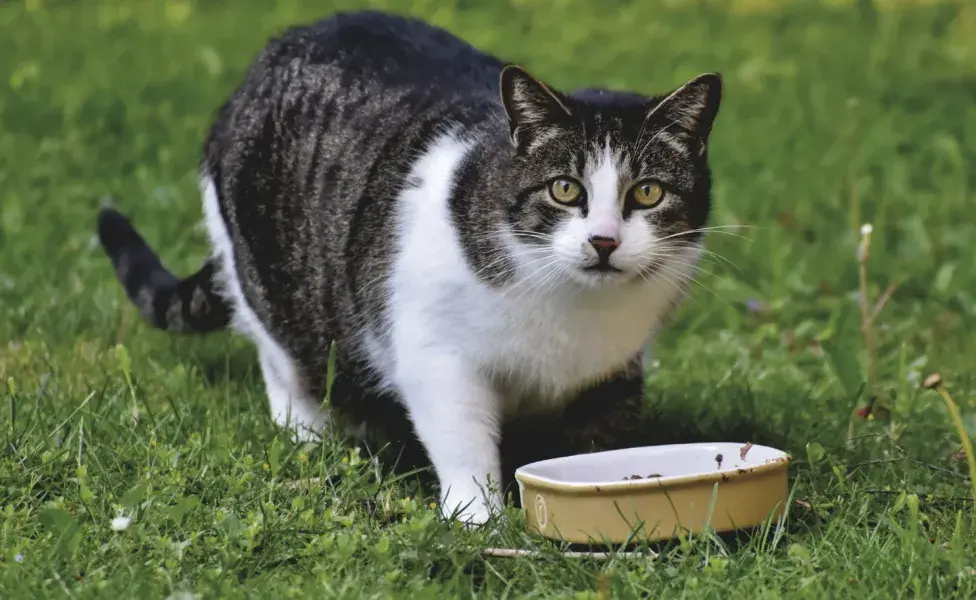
<point x="594" y="278"/>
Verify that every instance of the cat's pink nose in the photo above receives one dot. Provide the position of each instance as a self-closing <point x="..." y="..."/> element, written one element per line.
<point x="604" y="246"/>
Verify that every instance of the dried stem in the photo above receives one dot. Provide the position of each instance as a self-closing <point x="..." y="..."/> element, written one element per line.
<point x="882" y="300"/>
<point x="967" y="444"/>
<point x="867" y="314"/>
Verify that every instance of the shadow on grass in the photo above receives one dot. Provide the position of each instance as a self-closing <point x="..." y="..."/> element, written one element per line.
<point x="219" y="364"/>
<point x="539" y="439"/>
<point x="665" y="419"/>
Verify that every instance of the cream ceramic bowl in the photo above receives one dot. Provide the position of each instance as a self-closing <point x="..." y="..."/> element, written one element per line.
<point x="595" y="498"/>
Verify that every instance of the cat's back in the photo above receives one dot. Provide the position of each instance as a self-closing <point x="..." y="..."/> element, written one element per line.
<point x="352" y="79"/>
<point x="388" y="50"/>
<point x="363" y="88"/>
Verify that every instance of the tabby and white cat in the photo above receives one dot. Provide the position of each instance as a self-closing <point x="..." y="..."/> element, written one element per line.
<point x="480" y="246"/>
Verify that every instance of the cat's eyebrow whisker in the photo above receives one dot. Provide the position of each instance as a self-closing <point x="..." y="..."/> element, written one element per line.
<point x="661" y="131"/>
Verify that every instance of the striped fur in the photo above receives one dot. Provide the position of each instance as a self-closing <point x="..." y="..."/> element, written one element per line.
<point x="188" y="305"/>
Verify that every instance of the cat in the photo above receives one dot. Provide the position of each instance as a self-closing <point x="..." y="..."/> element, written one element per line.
<point x="482" y="248"/>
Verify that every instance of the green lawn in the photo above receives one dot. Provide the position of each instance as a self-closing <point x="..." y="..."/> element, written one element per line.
<point x="834" y="116"/>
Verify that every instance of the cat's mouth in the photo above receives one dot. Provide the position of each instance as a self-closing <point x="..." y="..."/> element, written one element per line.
<point x="602" y="273"/>
<point x="602" y="267"/>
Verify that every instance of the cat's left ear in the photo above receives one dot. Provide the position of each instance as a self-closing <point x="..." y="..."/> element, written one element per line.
<point x="692" y="107"/>
<point x="532" y="106"/>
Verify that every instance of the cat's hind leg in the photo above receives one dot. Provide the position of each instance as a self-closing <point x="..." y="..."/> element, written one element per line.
<point x="292" y="408"/>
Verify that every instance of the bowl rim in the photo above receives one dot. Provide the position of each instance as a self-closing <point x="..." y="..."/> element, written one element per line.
<point x="636" y="486"/>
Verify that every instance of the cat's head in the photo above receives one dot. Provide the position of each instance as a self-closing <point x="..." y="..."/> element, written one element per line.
<point x="609" y="187"/>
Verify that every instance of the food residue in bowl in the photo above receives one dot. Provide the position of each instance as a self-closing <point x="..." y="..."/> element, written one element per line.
<point x="635" y="477"/>
<point x="745" y="450"/>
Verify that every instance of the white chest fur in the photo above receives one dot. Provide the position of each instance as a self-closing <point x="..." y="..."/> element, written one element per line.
<point x="538" y="349"/>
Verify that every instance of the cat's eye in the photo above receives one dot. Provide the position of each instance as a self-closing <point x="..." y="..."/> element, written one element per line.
<point x="647" y="194"/>
<point x="565" y="191"/>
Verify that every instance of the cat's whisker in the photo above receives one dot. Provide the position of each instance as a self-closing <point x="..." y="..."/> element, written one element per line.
<point x="531" y="279"/>
<point x="691" y="280"/>
<point x="718" y="259"/>
<point x="551" y="275"/>
<point x="657" y="134"/>
<point x="681" y="245"/>
<point x="694" y="267"/>
<point x="503" y="256"/>
<point x="708" y="255"/>
<point x="717" y="229"/>
<point x="526" y="274"/>
<point x="528" y="232"/>
<point x="679" y="260"/>
<point x="678" y="245"/>
<point x="538" y="260"/>
<point x="533" y="236"/>
<point x="541" y="283"/>
<point x="660" y="276"/>
<point x="514" y="269"/>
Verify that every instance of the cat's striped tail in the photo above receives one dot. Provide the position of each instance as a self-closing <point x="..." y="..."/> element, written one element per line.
<point x="188" y="305"/>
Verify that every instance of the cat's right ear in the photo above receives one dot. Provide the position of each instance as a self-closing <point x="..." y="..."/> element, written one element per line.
<point x="532" y="107"/>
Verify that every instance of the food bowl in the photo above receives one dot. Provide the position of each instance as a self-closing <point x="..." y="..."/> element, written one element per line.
<point x="651" y="493"/>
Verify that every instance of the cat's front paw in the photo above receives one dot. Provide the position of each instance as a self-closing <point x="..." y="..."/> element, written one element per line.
<point x="470" y="504"/>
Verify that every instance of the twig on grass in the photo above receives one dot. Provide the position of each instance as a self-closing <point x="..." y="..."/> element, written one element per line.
<point x="523" y="553"/>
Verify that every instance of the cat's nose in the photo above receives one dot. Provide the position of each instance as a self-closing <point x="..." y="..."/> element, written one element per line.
<point x="604" y="246"/>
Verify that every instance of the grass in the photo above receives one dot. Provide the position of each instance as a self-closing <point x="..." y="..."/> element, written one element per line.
<point x="835" y="115"/>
